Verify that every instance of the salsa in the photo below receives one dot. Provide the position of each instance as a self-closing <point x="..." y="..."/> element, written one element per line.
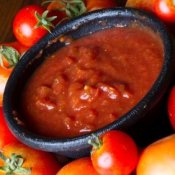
<point x="92" y="82"/>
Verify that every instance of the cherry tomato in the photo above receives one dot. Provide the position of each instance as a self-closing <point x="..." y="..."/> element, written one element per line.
<point x="6" y="136"/>
<point x="165" y="9"/>
<point x="141" y="4"/>
<point x="54" y="5"/>
<point x="171" y="107"/>
<point x="59" y="14"/>
<point x="31" y="24"/>
<point x="99" y="4"/>
<point x="24" y="160"/>
<point x="115" y="154"/>
<point x="82" y="166"/>
<point x="158" y="158"/>
<point x="10" y="54"/>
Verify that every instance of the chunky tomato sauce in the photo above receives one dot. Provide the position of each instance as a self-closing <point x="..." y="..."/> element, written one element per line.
<point x="92" y="82"/>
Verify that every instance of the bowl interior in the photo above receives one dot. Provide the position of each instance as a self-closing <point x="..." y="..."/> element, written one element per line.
<point x="77" y="28"/>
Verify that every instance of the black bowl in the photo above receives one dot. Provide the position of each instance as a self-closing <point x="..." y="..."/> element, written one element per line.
<point x="76" y="28"/>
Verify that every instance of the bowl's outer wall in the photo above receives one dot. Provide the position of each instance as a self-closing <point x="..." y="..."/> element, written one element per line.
<point x="78" y="28"/>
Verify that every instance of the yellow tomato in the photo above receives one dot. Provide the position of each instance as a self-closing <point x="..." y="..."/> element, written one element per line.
<point x="82" y="166"/>
<point x="143" y="4"/>
<point x="158" y="158"/>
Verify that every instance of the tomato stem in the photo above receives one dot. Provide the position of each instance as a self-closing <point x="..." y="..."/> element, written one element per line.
<point x="10" y="54"/>
<point x="44" y="21"/>
<point x="2" y="156"/>
<point x="72" y="8"/>
<point x="96" y="142"/>
<point x="13" y="165"/>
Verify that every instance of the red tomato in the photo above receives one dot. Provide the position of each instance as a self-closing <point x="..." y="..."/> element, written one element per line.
<point x="115" y="154"/>
<point x="6" y="136"/>
<point x="8" y="62"/>
<point x="25" y="25"/>
<point x="81" y="166"/>
<point x="99" y="4"/>
<point x="24" y="160"/>
<point x="158" y="158"/>
<point x="59" y="14"/>
<point x="165" y="9"/>
<point x="171" y="107"/>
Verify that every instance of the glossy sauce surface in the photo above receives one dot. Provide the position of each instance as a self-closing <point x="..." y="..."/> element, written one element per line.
<point x="92" y="82"/>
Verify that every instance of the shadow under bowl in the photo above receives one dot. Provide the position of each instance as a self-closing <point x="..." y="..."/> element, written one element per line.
<point x="77" y="28"/>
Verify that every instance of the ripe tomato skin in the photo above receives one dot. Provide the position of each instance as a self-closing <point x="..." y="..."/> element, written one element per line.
<point x="82" y="166"/>
<point x="141" y="4"/>
<point x="41" y="163"/>
<point x="54" y="5"/>
<point x="4" y="72"/>
<point x="158" y="158"/>
<point x="6" y="136"/>
<point x="24" y="25"/>
<point x="165" y="9"/>
<point x="59" y="14"/>
<point x="118" y="154"/>
<point x="99" y="4"/>
<point x="171" y="107"/>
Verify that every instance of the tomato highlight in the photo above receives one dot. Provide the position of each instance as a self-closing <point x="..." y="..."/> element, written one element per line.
<point x="114" y="154"/>
<point x="165" y="9"/>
